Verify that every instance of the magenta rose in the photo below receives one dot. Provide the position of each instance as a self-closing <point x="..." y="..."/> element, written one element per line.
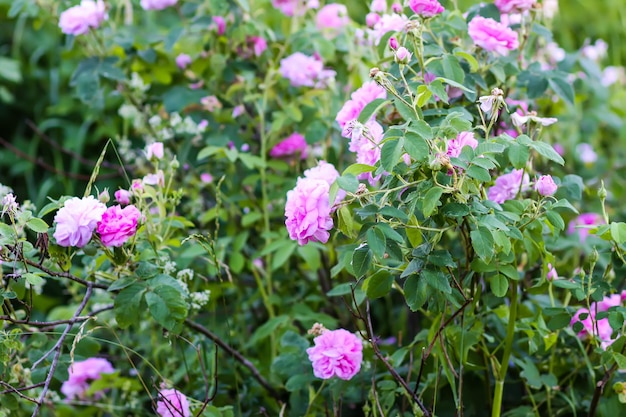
<point x="336" y="353"/>
<point x="294" y="144"/>
<point x="426" y="8"/>
<point x="172" y="403"/>
<point x="118" y="225"/>
<point x="455" y="146"/>
<point x="81" y="374"/>
<point x="492" y="36"/>
<point x="333" y="16"/>
<point x="584" y="219"/>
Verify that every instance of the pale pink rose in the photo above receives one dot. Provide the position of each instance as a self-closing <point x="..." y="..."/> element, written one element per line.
<point x="79" y="19"/>
<point x="403" y="56"/>
<point x="183" y="61"/>
<point x="360" y="98"/>
<point x="336" y="353"/>
<point x="76" y="220"/>
<point x="366" y="146"/>
<point x="154" y="150"/>
<point x="332" y="17"/>
<point x="122" y="196"/>
<point x="492" y="35"/>
<point x="157" y="179"/>
<point x="238" y="110"/>
<point x="307" y="211"/>
<point x="294" y="7"/>
<point x="596" y="51"/>
<point x="305" y="71"/>
<point x="157" y="4"/>
<point x="371" y="19"/>
<point x="514" y="6"/>
<point x="594" y="327"/>
<point x="508" y="185"/>
<point x="586" y="153"/>
<point x="455" y="146"/>
<point x="545" y="185"/>
<point x="327" y="172"/>
<point x="552" y="274"/>
<point x="388" y="23"/>
<point x="81" y="374"/>
<point x="219" y="25"/>
<point x="206" y="178"/>
<point x="379" y="6"/>
<point x="396" y="7"/>
<point x="172" y="403"/>
<point x="426" y="8"/>
<point x="294" y="144"/>
<point x="584" y="219"/>
<point x="202" y="125"/>
<point x="118" y="225"/>
<point x="259" y="45"/>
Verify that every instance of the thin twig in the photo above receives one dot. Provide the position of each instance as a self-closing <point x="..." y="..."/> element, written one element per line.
<point x="58" y="347"/>
<point x="66" y="275"/>
<point x="278" y="396"/>
<point x="18" y="391"/>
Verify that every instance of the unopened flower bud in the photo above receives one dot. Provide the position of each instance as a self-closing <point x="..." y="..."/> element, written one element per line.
<point x="602" y="191"/>
<point x="403" y="56"/>
<point x="373" y="72"/>
<point x="396" y="8"/>
<point x="104" y="196"/>
<point x="594" y="256"/>
<point x="439" y="161"/>
<point x="174" y="164"/>
<point x="393" y="43"/>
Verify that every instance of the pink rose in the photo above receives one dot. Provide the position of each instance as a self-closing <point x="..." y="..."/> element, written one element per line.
<point x="455" y="146"/>
<point x="157" y="4"/>
<point x="154" y="150"/>
<point x="77" y="20"/>
<point x="76" y="220"/>
<point x="219" y="24"/>
<point x="366" y="146"/>
<point x="172" y="403"/>
<point x="183" y="61"/>
<point x="403" y="56"/>
<point x="584" y="219"/>
<point x="305" y="71"/>
<point x="367" y="93"/>
<point x="492" y="36"/>
<point x="388" y="23"/>
<point x="307" y="211"/>
<point x="259" y="45"/>
<point x="545" y="185"/>
<point x="594" y="327"/>
<point x="333" y="16"/>
<point x="371" y="19"/>
<point x="294" y="7"/>
<point x="81" y="374"/>
<point x="336" y="353"/>
<point x="122" y="196"/>
<point x="379" y="6"/>
<point x="426" y="8"/>
<point x="514" y="6"/>
<point x="291" y="145"/>
<point x="508" y="185"/>
<point x="552" y="274"/>
<point x="327" y="172"/>
<point x="118" y="225"/>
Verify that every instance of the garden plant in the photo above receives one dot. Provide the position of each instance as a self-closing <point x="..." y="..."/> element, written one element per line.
<point x="307" y="208"/>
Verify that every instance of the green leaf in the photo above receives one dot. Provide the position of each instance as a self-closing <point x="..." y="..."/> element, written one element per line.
<point x="122" y="283"/>
<point x="33" y="279"/>
<point x="437" y="279"/>
<point x="10" y="70"/>
<point x="167" y="306"/>
<point x="376" y="241"/>
<point x="556" y="220"/>
<point x="390" y="154"/>
<point x="340" y="290"/>
<point x="416" y="146"/>
<point x="431" y="199"/>
<point x="499" y="285"/>
<point x="559" y="321"/>
<point x="618" y="232"/>
<point x="518" y="155"/>
<point x="562" y="88"/>
<point x="415" y="292"/>
<point x="473" y="63"/>
<point x="483" y="243"/>
<point x="128" y="305"/>
<point x="281" y="256"/>
<point x="378" y="285"/>
<point x="269" y="327"/>
<point x="479" y="173"/>
<point x="372" y="108"/>
<point x="547" y="151"/>
<point x="348" y="182"/>
<point x="452" y="69"/>
<point x="37" y="225"/>
<point x="437" y="88"/>
<point x="361" y="260"/>
<point x="421" y="129"/>
<point x="356" y="169"/>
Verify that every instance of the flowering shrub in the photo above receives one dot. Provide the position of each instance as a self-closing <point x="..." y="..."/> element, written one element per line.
<point x="412" y="175"/>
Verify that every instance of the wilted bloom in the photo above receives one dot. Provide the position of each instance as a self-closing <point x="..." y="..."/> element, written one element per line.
<point x="172" y="403"/>
<point x="79" y="19"/>
<point x="508" y="185"/>
<point x="455" y="146"/>
<point x="305" y="71"/>
<point x="379" y="6"/>
<point x="333" y="16"/>
<point x="154" y="150"/>
<point x="76" y="220"/>
<point x="122" y="196"/>
<point x="154" y="179"/>
<point x="426" y="8"/>
<point x="584" y="219"/>
<point x="157" y="4"/>
<point x="307" y="211"/>
<point x="552" y="274"/>
<point x="118" y="225"/>
<point x="291" y="145"/>
<point x="183" y="60"/>
<point x="403" y="56"/>
<point x="367" y="93"/>
<point x="492" y="35"/>
<point x="81" y="374"/>
<point x="586" y="153"/>
<point x="210" y="103"/>
<point x="514" y="6"/>
<point x="492" y="102"/>
<point x="9" y="204"/>
<point x="519" y="120"/>
<point x="545" y="185"/>
<point x="336" y="353"/>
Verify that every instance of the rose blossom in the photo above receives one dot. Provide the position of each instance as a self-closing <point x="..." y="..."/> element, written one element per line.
<point x="76" y="220"/>
<point x="118" y="225"/>
<point x="552" y="274"/>
<point x="403" y="56"/>
<point x="333" y="16"/>
<point x="365" y="143"/>
<point x="81" y="374"/>
<point x="122" y="196"/>
<point x="307" y="211"/>
<point x="293" y="7"/>
<point x="379" y="6"/>
<point x="584" y="219"/>
<point x="371" y="19"/>
<point x="183" y="60"/>
<point x="157" y="4"/>
<point x="455" y="146"/>
<point x="360" y="98"/>
<point x="305" y="71"/>
<point x="154" y="150"/>
<point x="426" y="8"/>
<point x="586" y="153"/>
<point x="545" y="185"/>
<point x="492" y="35"/>
<point x="387" y="23"/>
<point x="508" y="185"/>
<point x="327" y="172"/>
<point x="77" y="20"/>
<point x="219" y="24"/>
<point x="336" y="353"/>
<point x="172" y="403"/>
<point x="291" y="145"/>
<point x="514" y="6"/>
<point x="592" y="326"/>
<point x="258" y="44"/>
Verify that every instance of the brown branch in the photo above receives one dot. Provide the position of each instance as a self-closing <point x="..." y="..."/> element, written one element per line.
<point x="600" y="387"/>
<point x="277" y="395"/>
<point x="18" y="391"/>
<point x="65" y="275"/>
<point x="58" y="347"/>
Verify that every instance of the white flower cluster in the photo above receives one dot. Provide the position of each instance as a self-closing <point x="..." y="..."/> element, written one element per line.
<point x="185" y="274"/>
<point x="199" y="299"/>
